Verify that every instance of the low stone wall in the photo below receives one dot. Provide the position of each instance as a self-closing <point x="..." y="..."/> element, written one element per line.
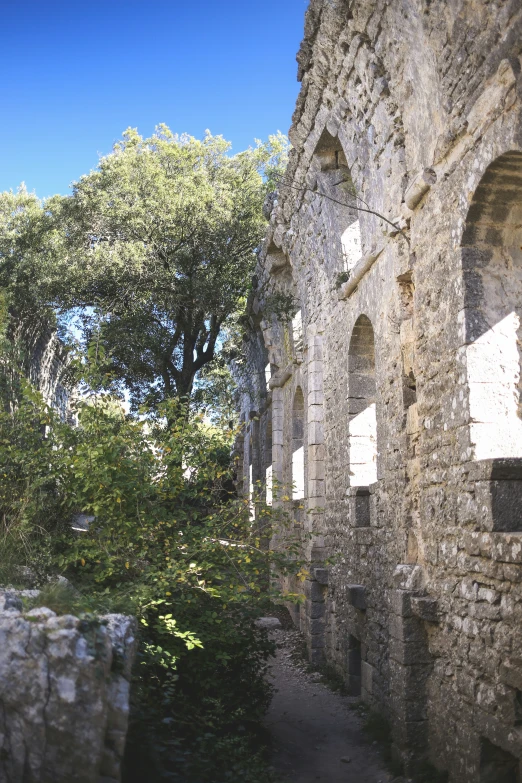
<point x="64" y="694"/>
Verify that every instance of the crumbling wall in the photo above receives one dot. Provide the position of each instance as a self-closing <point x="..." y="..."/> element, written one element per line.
<point x="45" y="361"/>
<point x="409" y="122"/>
<point x="64" y="694"/>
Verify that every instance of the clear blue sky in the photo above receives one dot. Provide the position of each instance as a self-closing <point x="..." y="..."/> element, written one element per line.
<point x="76" y="73"/>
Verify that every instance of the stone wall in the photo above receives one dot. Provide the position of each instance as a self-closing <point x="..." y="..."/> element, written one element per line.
<point x="399" y="234"/>
<point x="46" y="362"/>
<point x="64" y="694"/>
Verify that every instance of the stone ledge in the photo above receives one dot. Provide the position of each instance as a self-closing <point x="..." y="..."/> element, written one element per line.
<point x="502" y="547"/>
<point x="509" y="469"/>
<point x="359" y="270"/>
<point x="419" y="186"/>
<point x="356" y="595"/>
<point x="321" y="575"/>
<point x="425" y="608"/>
<point x="280" y="378"/>
<point x="362" y="490"/>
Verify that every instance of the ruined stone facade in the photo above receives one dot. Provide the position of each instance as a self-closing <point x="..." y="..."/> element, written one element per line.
<point x="389" y="406"/>
<point x="45" y="361"/>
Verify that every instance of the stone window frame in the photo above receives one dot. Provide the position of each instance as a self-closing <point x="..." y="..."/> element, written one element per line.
<point x="362" y="399"/>
<point x="330" y="175"/>
<point x="297" y="463"/>
<point x="489" y="268"/>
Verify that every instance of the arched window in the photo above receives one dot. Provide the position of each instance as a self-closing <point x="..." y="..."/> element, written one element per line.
<point x="351" y="244"/>
<point x="362" y="414"/>
<point x="339" y="203"/>
<point x="492" y="272"/>
<point x="268" y="460"/>
<point x="298" y="482"/>
<point x="297" y="333"/>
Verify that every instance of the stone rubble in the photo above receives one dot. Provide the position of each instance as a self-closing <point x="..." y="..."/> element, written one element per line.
<point x="64" y="693"/>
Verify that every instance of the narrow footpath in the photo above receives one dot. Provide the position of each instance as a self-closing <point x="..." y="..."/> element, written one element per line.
<point x="316" y="736"/>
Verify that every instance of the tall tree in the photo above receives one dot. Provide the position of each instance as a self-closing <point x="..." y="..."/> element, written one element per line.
<point x="160" y="241"/>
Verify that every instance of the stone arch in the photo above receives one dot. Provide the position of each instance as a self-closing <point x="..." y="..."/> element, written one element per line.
<point x="296" y="333"/>
<point x="492" y="277"/>
<point x="361" y="404"/>
<point x="298" y="473"/>
<point x="333" y="178"/>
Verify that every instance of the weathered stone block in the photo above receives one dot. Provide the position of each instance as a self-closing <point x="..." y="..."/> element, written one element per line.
<point x="317" y="641"/>
<point x="356" y="595"/>
<point x="408" y="577"/>
<point x="408" y="681"/>
<point x="66" y="698"/>
<point x="315" y="610"/>
<point x="313" y="590"/>
<point x="321" y="575"/>
<point x="400" y="602"/>
<point x="425" y="608"/>
<point x="511" y="672"/>
<point x="408" y="653"/>
<point x="406" y="629"/>
<point x="367" y="675"/>
<point x="410" y="735"/>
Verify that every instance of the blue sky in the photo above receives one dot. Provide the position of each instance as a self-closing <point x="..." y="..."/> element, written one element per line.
<point x="75" y="74"/>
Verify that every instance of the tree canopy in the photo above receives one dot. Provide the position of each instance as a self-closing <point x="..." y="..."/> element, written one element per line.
<point x="159" y="241"/>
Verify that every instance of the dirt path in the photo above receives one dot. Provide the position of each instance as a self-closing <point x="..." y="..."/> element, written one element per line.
<point x="316" y="736"/>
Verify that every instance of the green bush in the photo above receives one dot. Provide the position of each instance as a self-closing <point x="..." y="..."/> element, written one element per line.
<point x="169" y="543"/>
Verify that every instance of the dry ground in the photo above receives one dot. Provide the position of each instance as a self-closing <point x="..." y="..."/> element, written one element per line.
<point x="316" y="735"/>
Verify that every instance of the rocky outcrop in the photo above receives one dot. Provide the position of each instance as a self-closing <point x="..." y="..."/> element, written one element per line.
<point x="64" y="694"/>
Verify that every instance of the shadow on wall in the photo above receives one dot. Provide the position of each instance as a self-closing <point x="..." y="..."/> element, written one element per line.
<point x="506" y="495"/>
<point x="492" y="274"/>
<point x="497" y="765"/>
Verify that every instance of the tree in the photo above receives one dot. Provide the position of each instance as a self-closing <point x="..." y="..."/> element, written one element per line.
<point x="160" y="242"/>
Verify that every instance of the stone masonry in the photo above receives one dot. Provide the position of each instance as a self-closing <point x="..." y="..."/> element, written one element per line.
<point x="386" y="403"/>
<point x="64" y="694"/>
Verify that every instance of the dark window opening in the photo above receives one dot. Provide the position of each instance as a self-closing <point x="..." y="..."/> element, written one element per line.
<point x="409" y="389"/>
<point x="362" y="507"/>
<point x="497" y="765"/>
<point x="506" y="495"/>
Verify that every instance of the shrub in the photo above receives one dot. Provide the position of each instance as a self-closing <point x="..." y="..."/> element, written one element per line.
<point x="169" y="543"/>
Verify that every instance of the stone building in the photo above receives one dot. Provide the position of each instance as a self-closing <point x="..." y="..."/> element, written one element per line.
<point x="382" y="390"/>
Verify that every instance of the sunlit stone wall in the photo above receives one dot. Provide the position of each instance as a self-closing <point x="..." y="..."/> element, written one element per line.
<point x="409" y="366"/>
